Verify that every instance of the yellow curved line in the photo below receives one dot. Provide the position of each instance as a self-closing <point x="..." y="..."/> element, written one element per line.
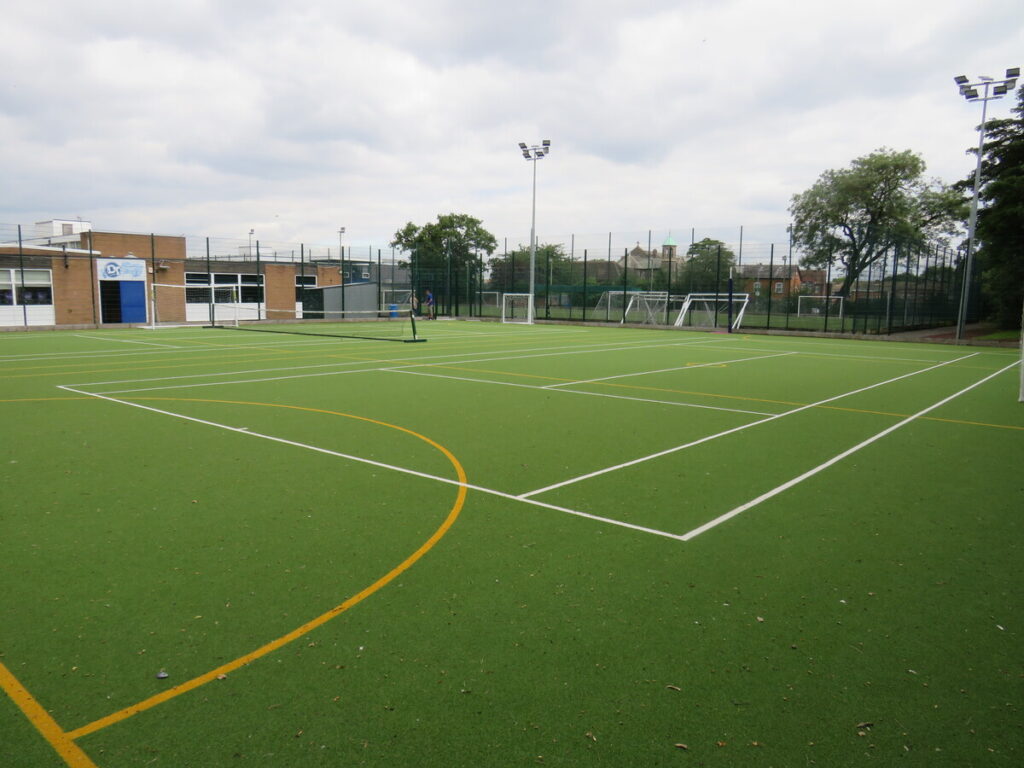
<point x="323" y="618"/>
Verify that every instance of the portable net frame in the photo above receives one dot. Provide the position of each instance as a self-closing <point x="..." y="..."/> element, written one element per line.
<point x="392" y="324"/>
<point x="172" y="305"/>
<point x="400" y="296"/>
<point x="517" y="308"/>
<point x="807" y="305"/>
<point x="648" y="308"/>
<point x="711" y="310"/>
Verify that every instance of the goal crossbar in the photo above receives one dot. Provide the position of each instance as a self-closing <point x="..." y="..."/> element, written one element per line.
<point x="712" y="304"/>
<point x="517" y="308"/>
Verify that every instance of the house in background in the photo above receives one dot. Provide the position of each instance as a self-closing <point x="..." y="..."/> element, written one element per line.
<point x="763" y="279"/>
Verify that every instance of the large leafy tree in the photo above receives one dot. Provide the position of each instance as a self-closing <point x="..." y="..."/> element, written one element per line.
<point x="1000" y="228"/>
<point x="707" y="260"/>
<point x="856" y="215"/>
<point x="454" y="236"/>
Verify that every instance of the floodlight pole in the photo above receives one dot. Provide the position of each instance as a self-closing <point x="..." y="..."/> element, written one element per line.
<point x="533" y="154"/>
<point x="992" y="90"/>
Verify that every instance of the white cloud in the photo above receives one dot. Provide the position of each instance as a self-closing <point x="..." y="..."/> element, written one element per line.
<point x="211" y="118"/>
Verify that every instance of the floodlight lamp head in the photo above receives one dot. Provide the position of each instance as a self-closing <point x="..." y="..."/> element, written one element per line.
<point x="1011" y="84"/>
<point x="1013" y="72"/>
<point x="546" y="144"/>
<point x="999" y="90"/>
<point x="960" y="79"/>
<point x="985" y="78"/>
<point x="522" y="146"/>
<point x="971" y="94"/>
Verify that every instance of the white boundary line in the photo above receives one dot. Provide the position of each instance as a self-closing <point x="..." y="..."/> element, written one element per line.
<point x="579" y="392"/>
<point x="834" y="460"/>
<point x="371" y="462"/>
<point x="708" y="438"/>
<point x="666" y="370"/>
<point x="127" y="341"/>
<point x="432" y="360"/>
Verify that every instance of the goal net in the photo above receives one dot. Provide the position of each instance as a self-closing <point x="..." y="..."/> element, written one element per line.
<point x="808" y="306"/>
<point x="711" y="310"/>
<point x="399" y="296"/>
<point x="490" y="303"/>
<point x="173" y="305"/>
<point x="517" y="308"/>
<point x="647" y="307"/>
<point x="612" y="305"/>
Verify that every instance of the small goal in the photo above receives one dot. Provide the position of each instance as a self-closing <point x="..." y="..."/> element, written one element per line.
<point x="648" y="308"/>
<point x="517" y="308"/>
<point x="812" y="306"/>
<point x="711" y="310"/>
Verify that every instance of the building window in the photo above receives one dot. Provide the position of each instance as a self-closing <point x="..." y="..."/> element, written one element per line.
<point x="35" y="296"/>
<point x="30" y="287"/>
<point x="228" y="288"/>
<point x="778" y="287"/>
<point x="301" y="283"/>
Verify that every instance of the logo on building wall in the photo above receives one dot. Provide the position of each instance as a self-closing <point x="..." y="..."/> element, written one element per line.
<point x="121" y="269"/>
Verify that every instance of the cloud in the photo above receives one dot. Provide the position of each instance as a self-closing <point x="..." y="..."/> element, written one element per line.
<point x="211" y="118"/>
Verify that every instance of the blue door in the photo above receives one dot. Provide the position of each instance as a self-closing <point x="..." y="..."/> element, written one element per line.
<point x="133" y="301"/>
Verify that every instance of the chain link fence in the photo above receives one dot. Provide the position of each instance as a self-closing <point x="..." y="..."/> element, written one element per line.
<point x="647" y="278"/>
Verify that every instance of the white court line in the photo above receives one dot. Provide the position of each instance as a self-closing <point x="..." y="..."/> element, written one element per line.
<point x="740" y="428"/>
<point x="843" y="355"/>
<point x="834" y="460"/>
<point x="434" y="360"/>
<point x="126" y="341"/>
<point x="537" y="388"/>
<point x="667" y="370"/>
<point x="373" y="463"/>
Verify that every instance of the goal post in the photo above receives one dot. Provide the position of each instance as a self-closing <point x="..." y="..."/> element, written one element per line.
<point x="647" y="308"/>
<point x="173" y="305"/>
<point x="517" y="308"/>
<point x="711" y="310"/>
<point x="807" y="305"/>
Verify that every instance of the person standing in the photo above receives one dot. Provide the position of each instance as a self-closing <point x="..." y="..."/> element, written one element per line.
<point x="431" y="310"/>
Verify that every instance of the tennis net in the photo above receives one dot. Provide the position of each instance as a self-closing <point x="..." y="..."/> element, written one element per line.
<point x="379" y="325"/>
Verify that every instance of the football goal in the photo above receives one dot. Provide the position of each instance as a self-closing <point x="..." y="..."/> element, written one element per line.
<point x="807" y="306"/>
<point x="711" y="310"/>
<point x="172" y="305"/>
<point x="612" y="305"/>
<point x="648" y="308"/>
<point x="517" y="308"/>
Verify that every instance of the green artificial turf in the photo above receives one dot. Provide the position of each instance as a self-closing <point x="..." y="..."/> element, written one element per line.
<point x="867" y="614"/>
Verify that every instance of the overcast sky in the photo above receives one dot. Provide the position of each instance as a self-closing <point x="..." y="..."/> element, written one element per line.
<point x="296" y="118"/>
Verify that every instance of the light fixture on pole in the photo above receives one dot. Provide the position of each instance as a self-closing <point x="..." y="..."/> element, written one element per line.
<point x="251" y="233"/>
<point x="533" y="154"/>
<point x="992" y="89"/>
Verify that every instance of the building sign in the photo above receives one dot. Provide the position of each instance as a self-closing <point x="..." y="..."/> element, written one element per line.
<point x="121" y="269"/>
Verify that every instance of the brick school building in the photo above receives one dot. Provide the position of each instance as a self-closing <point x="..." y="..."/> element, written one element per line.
<point x="69" y="275"/>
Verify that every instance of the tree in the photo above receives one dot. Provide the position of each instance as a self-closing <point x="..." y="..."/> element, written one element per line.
<point x="511" y="271"/>
<point x="707" y="264"/>
<point x="856" y="215"/>
<point x="1000" y="227"/>
<point x="454" y="240"/>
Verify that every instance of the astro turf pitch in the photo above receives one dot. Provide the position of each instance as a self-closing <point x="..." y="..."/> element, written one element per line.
<point x="510" y="545"/>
